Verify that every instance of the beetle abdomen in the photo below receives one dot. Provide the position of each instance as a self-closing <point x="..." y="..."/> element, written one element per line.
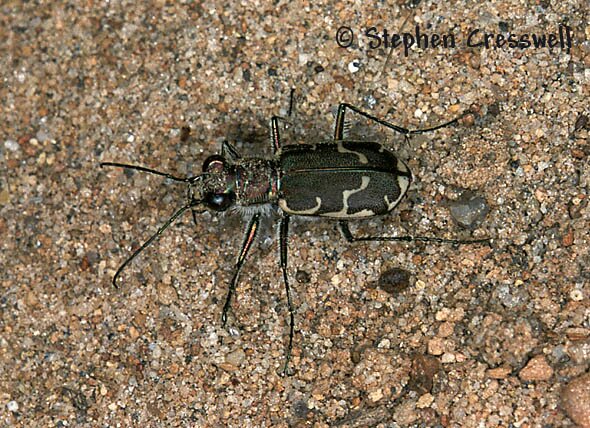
<point x="344" y="179"/>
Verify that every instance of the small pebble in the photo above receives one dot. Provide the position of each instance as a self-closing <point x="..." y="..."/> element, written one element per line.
<point x="446" y="329"/>
<point x="576" y="295"/>
<point x="227" y="367"/>
<point x="11" y="145"/>
<point x="12" y="406"/>
<point x="376" y="395"/>
<point x="302" y="277"/>
<point x="537" y="369"/>
<point x="575" y="400"/>
<point x="156" y="351"/>
<point x="185" y="133"/>
<point x="442" y="315"/>
<point x="42" y="136"/>
<point x="424" y="370"/>
<point x="499" y="372"/>
<point x="579" y="351"/>
<point x="577" y="333"/>
<point x="4" y="196"/>
<point x="469" y="210"/>
<point x="394" y="280"/>
<point x="235" y="358"/>
<point x="425" y="401"/>
<point x="336" y="280"/>
<point x="133" y="333"/>
<point x="447" y="358"/>
<point x="300" y="409"/>
<point x="166" y="294"/>
<point x="435" y="346"/>
<point x="384" y="344"/>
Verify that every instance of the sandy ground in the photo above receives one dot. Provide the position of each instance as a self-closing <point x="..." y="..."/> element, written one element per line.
<point x="479" y="335"/>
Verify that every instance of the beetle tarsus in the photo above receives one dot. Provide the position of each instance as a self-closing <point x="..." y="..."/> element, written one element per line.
<point x="284" y="236"/>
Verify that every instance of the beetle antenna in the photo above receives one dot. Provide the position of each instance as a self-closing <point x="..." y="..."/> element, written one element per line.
<point x="151" y="171"/>
<point x="162" y="228"/>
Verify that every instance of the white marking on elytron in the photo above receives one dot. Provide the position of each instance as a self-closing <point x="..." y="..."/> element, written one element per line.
<point x="311" y="211"/>
<point x="401" y="166"/>
<point x="403" y="183"/>
<point x="381" y="148"/>
<point x="342" y="149"/>
<point x="343" y="213"/>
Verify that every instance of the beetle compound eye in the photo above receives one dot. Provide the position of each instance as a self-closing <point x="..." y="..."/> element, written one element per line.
<point x="220" y="201"/>
<point x="214" y="163"/>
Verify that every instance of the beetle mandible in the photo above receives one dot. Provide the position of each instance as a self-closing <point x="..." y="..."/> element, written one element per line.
<point x="340" y="180"/>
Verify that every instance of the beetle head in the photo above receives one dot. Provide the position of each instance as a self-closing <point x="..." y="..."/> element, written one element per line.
<point x="218" y="183"/>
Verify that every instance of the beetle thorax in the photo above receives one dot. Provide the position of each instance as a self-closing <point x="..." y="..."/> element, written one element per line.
<point x="256" y="181"/>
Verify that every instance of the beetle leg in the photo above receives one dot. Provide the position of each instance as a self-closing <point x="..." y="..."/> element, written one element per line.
<point x="274" y="132"/>
<point x="345" y="230"/>
<point x="275" y="138"/>
<point x="291" y="101"/>
<point x="274" y="125"/>
<point x="190" y="196"/>
<point x="251" y="232"/>
<point x="339" y="128"/>
<point x="284" y="235"/>
<point x="229" y="152"/>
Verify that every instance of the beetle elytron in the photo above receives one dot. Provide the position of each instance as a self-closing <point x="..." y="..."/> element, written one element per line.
<point x="339" y="179"/>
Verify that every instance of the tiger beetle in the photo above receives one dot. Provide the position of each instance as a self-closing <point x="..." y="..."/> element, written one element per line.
<point x="340" y="180"/>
